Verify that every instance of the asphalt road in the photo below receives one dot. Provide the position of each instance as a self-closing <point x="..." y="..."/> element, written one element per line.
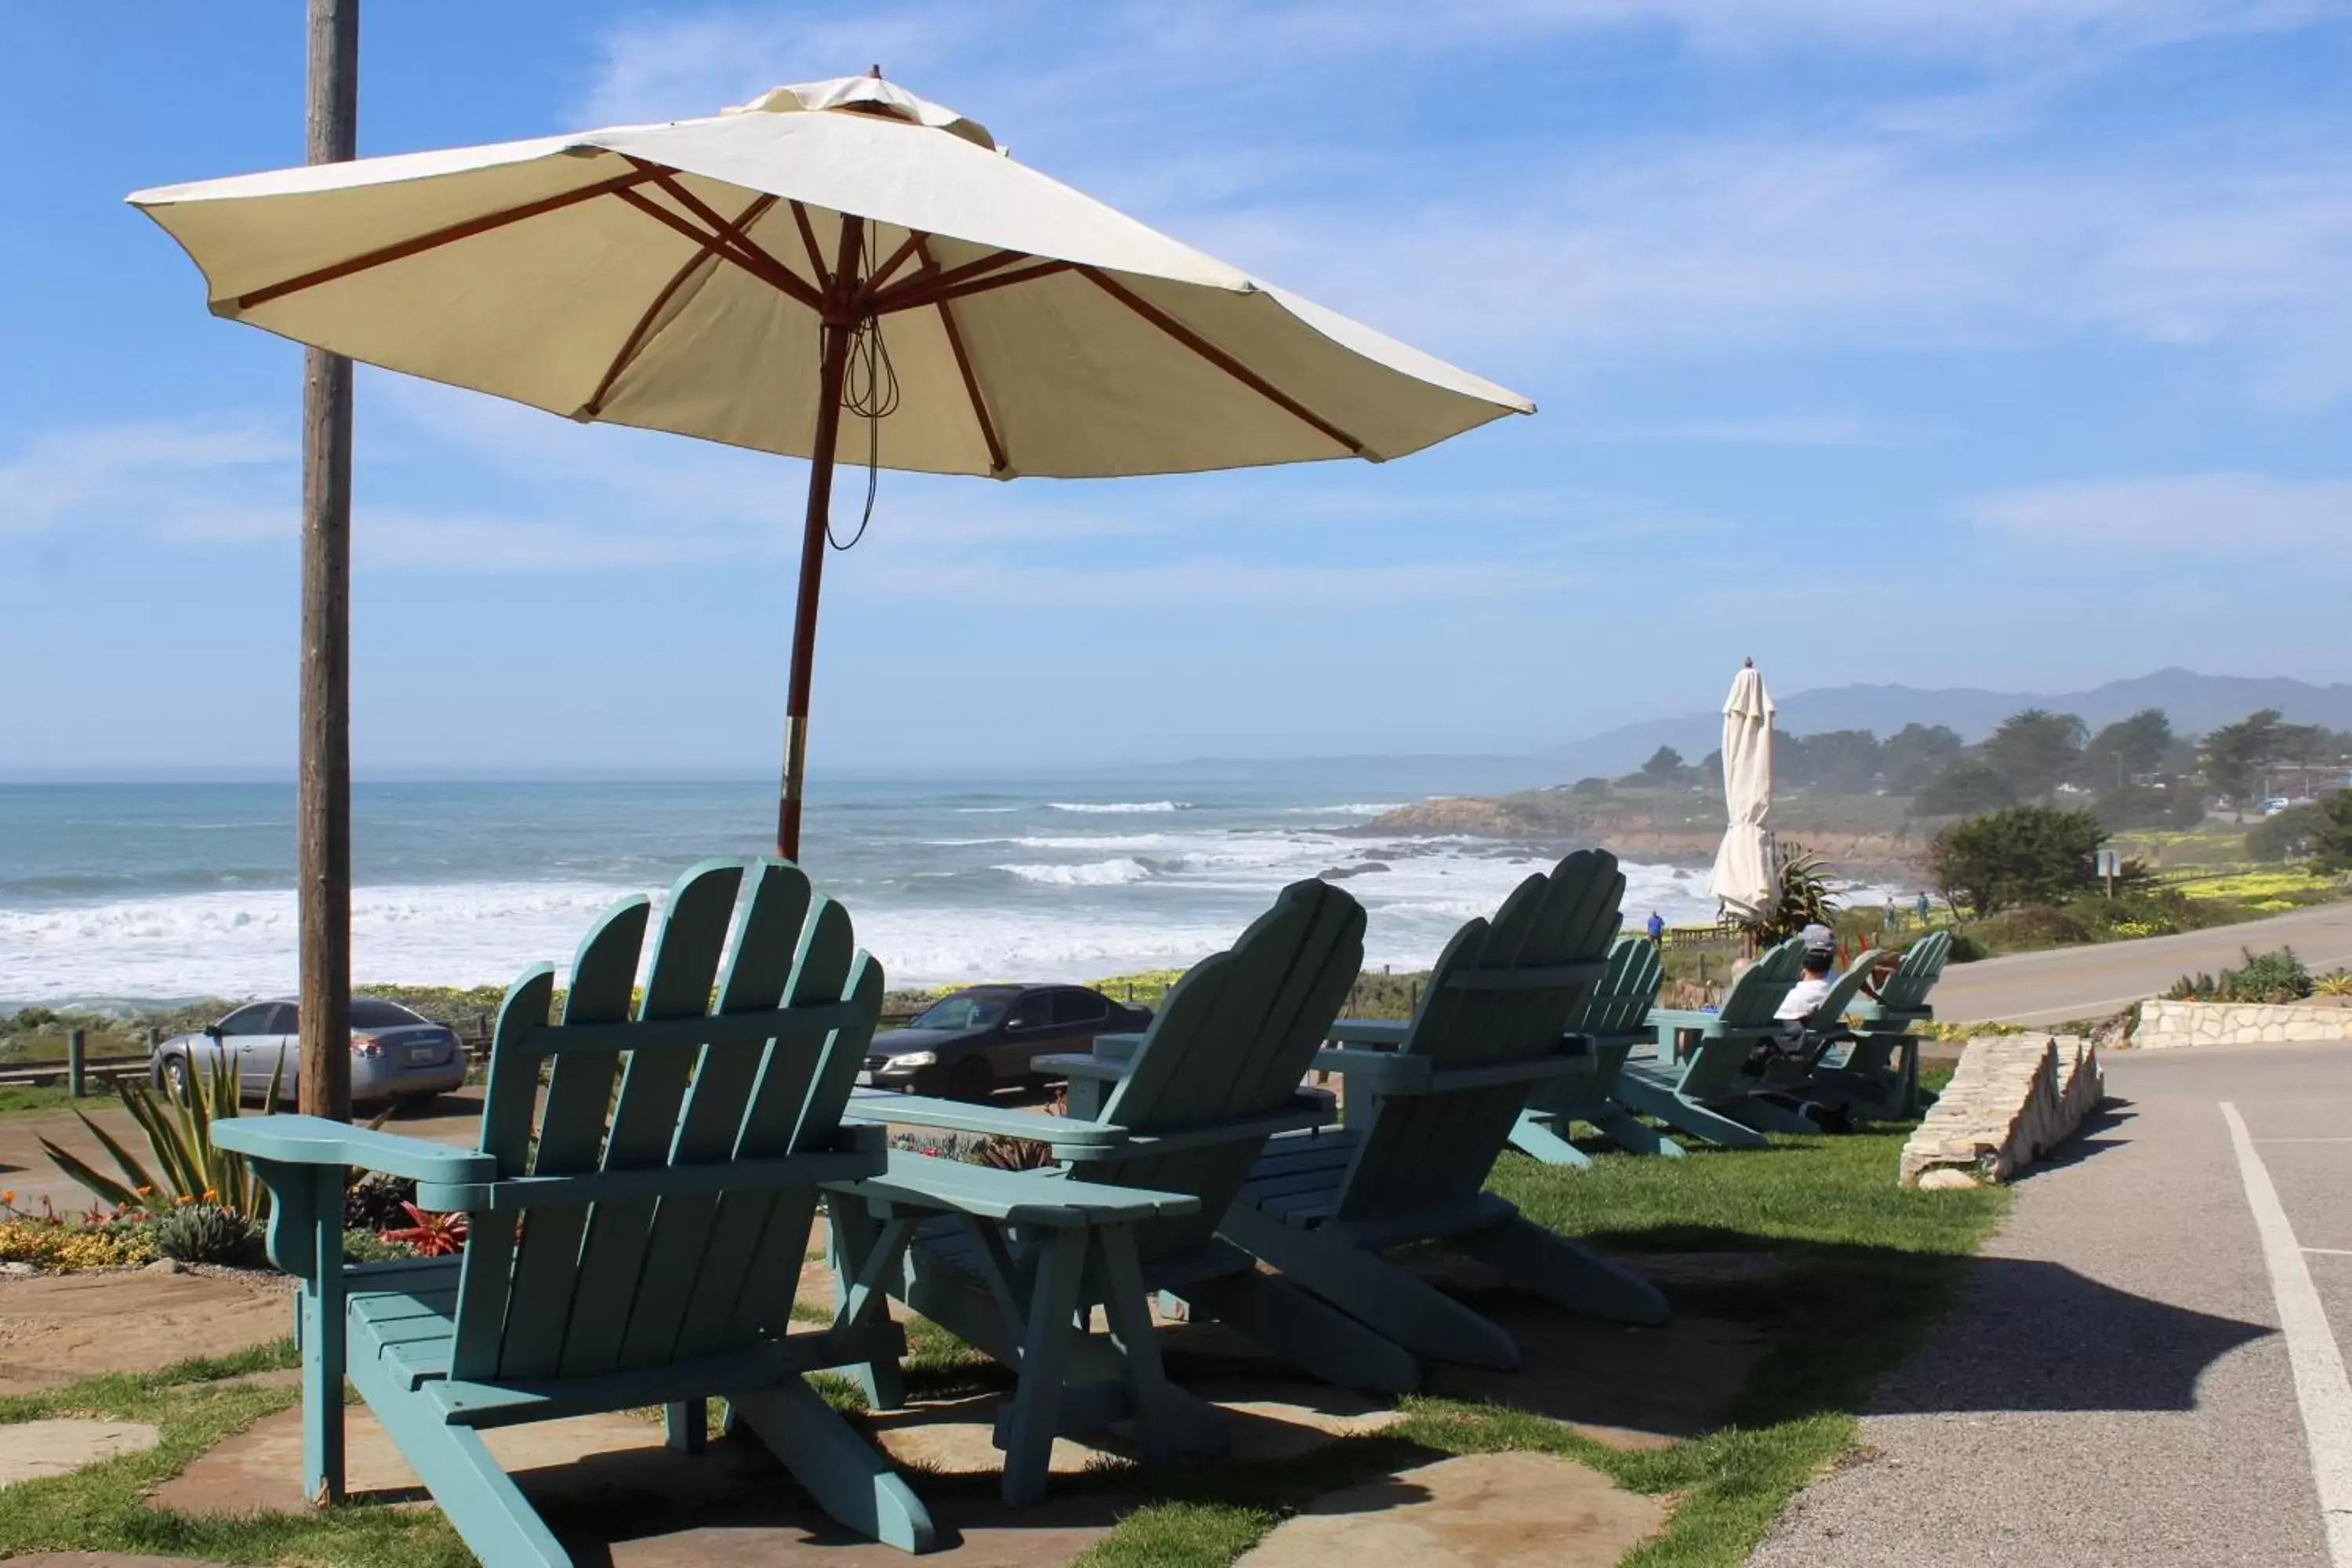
<point x="2115" y="1392"/>
<point x="2092" y="982"/>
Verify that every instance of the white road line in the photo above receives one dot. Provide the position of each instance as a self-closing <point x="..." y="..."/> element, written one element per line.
<point x="2331" y="1251"/>
<point x="2304" y="1139"/>
<point x="2321" y="1388"/>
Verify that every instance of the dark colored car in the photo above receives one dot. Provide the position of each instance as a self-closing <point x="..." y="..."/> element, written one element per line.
<point x="396" y="1054"/>
<point x="968" y="1044"/>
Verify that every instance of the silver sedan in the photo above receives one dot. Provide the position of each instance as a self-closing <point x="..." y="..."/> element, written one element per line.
<point x="396" y="1054"/>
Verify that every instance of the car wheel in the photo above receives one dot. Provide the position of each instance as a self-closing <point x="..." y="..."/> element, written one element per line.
<point x="970" y="1080"/>
<point x="177" y="1082"/>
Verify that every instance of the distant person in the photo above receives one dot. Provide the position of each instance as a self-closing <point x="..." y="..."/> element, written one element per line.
<point x="1657" y="926"/>
<point x="1892" y="918"/>
<point x="1924" y="907"/>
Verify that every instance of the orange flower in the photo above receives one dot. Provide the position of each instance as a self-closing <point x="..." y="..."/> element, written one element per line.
<point x="211" y="1196"/>
<point x="9" y="1196"/>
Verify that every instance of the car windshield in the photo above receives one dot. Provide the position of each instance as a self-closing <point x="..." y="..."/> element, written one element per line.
<point x="960" y="1012"/>
<point x="374" y="1012"/>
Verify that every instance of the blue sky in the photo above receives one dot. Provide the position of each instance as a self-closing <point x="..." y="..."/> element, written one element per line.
<point x="1999" y="344"/>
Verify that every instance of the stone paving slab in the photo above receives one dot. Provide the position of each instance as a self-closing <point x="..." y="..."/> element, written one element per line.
<point x="732" y="1503"/>
<point x="1482" y="1511"/>
<point x="31" y="1449"/>
<point x="60" y="1328"/>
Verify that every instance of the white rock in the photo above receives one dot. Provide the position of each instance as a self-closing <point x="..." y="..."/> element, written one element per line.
<point x="1943" y="1178"/>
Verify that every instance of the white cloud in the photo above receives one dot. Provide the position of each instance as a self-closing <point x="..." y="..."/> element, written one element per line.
<point x="2221" y="513"/>
<point x="176" y="474"/>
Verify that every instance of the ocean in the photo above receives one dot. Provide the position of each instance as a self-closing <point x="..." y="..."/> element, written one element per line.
<point x="156" y="892"/>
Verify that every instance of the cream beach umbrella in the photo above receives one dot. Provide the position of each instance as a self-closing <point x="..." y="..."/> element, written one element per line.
<point x="741" y="278"/>
<point x="1742" y="880"/>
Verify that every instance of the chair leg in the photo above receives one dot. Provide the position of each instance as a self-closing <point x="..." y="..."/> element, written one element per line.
<point x="1309" y="1333"/>
<point x="1366" y="1286"/>
<point x="1632" y="1134"/>
<point x="1045" y="1348"/>
<point x="1533" y="1135"/>
<point x="323" y="1330"/>
<point x="1128" y="1304"/>
<point x="686" y="1426"/>
<point x="481" y="1500"/>
<point x="1687" y="1115"/>
<point x="849" y="1478"/>
<point x="853" y="1235"/>
<point x="1561" y="1271"/>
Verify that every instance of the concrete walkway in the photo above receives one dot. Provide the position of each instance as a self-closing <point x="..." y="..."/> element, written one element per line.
<point x="2093" y="982"/>
<point x="2115" y="1392"/>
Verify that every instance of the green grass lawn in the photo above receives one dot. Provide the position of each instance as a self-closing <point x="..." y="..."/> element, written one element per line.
<point x="1866" y="1269"/>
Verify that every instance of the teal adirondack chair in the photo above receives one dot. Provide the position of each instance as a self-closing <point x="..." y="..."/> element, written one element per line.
<point x="1614" y="1019"/>
<point x="1425" y="1121"/>
<point x="1828" y="1032"/>
<point x="1879" y="1075"/>
<point x="1700" y="1089"/>
<point x="1181" y="1108"/>
<point x="642" y="1249"/>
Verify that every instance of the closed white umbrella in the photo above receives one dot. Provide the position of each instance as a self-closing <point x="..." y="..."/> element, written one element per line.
<point x="740" y="278"/>
<point x="1742" y="880"/>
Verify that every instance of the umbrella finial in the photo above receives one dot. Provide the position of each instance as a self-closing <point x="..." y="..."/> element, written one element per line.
<point x="1747" y="664"/>
<point x="875" y="71"/>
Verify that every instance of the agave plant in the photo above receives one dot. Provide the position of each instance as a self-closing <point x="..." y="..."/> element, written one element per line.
<point x="1802" y="898"/>
<point x="187" y="1168"/>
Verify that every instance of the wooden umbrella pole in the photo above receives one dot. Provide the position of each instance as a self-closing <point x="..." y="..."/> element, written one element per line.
<point x="322" y="810"/>
<point x="840" y="327"/>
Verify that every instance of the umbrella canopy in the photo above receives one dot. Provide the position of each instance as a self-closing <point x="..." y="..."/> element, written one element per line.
<point x="735" y="277"/>
<point x="1742" y="880"/>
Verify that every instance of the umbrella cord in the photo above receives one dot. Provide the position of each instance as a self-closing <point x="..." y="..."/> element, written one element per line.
<point x="870" y="391"/>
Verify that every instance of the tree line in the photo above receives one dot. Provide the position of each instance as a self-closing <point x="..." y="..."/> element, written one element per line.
<point x="2143" y="773"/>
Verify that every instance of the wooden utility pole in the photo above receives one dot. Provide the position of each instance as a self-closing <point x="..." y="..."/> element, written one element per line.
<point x="322" y="809"/>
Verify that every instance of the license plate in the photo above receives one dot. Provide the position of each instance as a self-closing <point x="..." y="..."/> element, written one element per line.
<point x="864" y="1079"/>
<point x="423" y="1053"/>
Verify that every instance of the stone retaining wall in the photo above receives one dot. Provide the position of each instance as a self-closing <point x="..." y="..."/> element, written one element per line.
<point x="2165" y="1026"/>
<point x="2012" y="1100"/>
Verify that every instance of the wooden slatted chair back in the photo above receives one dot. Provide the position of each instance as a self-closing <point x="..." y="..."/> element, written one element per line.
<point x="1620" y="1004"/>
<point x="1233" y="1038"/>
<point x="1503" y="991"/>
<point x="1923" y="964"/>
<point x="758" y="1073"/>
<point x="1845" y="988"/>
<point x="1715" y="1066"/>
<point x="1756" y="994"/>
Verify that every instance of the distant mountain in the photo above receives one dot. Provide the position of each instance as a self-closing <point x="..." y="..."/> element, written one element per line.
<point x="2195" y="703"/>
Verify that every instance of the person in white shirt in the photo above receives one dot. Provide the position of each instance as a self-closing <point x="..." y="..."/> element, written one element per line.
<point x="1807" y="993"/>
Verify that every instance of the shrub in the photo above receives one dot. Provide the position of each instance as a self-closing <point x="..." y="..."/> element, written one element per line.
<point x="1965" y="949"/>
<point x="2275" y="976"/>
<point x="2026" y="855"/>
<point x="206" y="1233"/>
<point x="71" y="1248"/>
<point x="377" y="1202"/>
<point x="1803" y="899"/>
<point x="2331" y="837"/>
<point x="2277" y="837"/>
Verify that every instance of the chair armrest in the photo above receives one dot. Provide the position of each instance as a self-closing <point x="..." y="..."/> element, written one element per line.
<point x="1685" y="1017"/>
<point x="955" y="1116"/>
<point x="315" y="1140"/>
<point x="1118" y="1047"/>
<point x="1015" y="1198"/>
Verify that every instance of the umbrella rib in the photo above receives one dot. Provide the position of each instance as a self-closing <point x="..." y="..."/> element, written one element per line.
<point x="996" y="461"/>
<point x="620" y="185"/>
<point x="952" y="277"/>
<point x="1220" y="358"/>
<point x="914" y="297"/>
<point x="752" y="259"/>
<point x="897" y="259"/>
<point x="640" y="335"/>
<point x="816" y="255"/>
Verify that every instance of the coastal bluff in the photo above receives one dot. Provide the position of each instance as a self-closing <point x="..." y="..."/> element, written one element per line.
<point x="1557" y="817"/>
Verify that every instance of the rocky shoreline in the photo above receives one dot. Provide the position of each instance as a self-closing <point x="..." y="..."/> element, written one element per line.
<point x="1555" y="820"/>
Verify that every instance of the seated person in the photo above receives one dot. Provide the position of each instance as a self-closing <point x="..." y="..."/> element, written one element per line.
<point x="1796" y="1010"/>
